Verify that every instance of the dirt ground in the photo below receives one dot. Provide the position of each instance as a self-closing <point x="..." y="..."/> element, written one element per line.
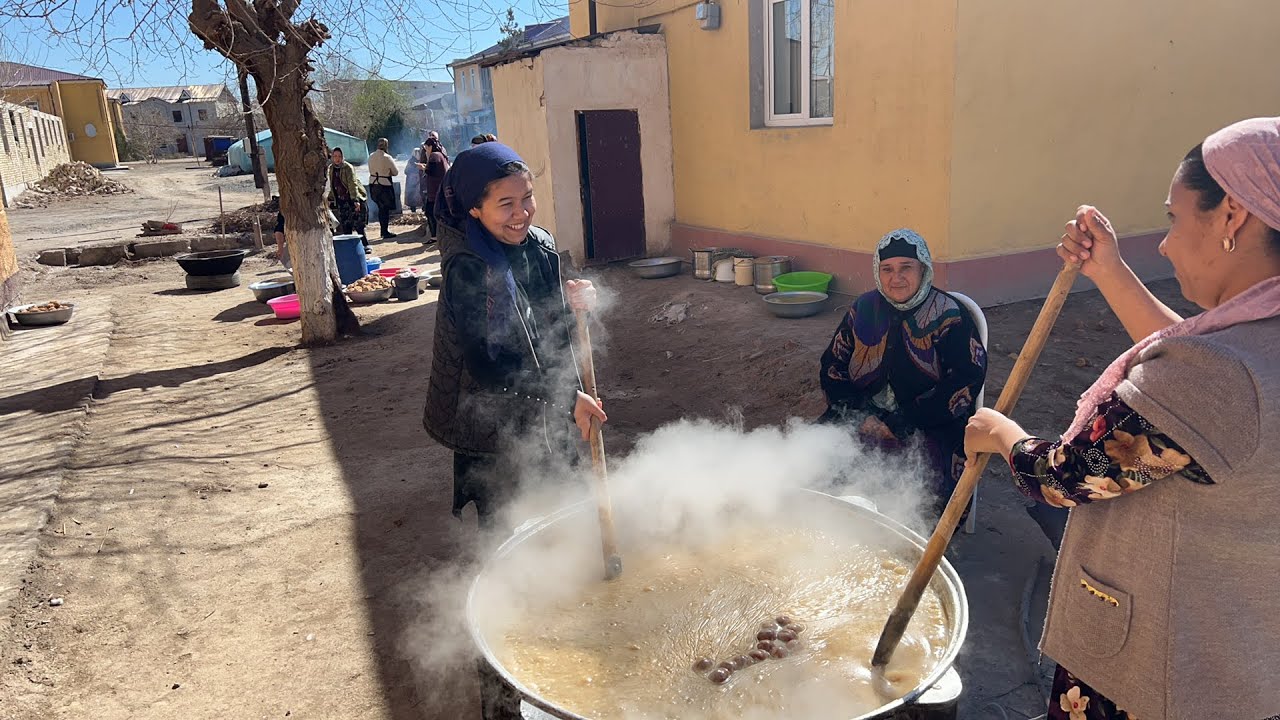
<point x="240" y="528"/>
<point x="172" y="190"/>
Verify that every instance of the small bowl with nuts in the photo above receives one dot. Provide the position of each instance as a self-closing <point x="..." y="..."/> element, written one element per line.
<point x="52" y="312"/>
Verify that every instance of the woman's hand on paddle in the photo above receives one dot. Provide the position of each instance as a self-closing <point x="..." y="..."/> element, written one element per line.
<point x="1091" y="241"/>
<point x="990" y="432"/>
<point x="581" y="295"/>
<point x="586" y="408"/>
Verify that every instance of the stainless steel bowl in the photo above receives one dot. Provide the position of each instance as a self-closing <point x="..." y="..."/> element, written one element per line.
<point x="796" y="304"/>
<point x="573" y="532"/>
<point x="270" y="289"/>
<point x="370" y="296"/>
<point x="47" y="317"/>
<point x="658" y="267"/>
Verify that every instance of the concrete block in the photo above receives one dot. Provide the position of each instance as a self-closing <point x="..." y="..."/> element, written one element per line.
<point x="103" y="254"/>
<point x="214" y="242"/>
<point x="56" y="256"/>
<point x="160" y="248"/>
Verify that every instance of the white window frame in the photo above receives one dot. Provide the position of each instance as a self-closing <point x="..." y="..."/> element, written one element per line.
<point x="806" y="66"/>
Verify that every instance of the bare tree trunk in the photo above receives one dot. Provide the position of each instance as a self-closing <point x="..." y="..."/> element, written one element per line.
<point x="299" y="148"/>
<point x="251" y="133"/>
<point x="262" y="39"/>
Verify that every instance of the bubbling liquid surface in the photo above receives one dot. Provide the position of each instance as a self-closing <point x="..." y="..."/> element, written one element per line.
<point x="637" y="647"/>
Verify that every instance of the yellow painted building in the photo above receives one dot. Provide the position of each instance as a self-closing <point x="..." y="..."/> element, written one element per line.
<point x="80" y="101"/>
<point x="811" y="127"/>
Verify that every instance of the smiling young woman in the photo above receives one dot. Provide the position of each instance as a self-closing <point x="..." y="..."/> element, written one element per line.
<point x="504" y="391"/>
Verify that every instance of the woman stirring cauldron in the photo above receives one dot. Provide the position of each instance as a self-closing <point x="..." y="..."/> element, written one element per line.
<point x="504" y="386"/>
<point x="1163" y="602"/>
<point x="905" y="363"/>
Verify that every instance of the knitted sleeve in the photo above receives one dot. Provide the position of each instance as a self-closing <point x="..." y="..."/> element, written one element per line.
<point x="1120" y="453"/>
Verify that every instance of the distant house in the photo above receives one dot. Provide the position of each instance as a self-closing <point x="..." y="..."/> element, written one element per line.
<point x="79" y="100"/>
<point x="473" y="85"/>
<point x="190" y="112"/>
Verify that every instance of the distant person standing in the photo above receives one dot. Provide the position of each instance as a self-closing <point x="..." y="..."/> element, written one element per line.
<point x="436" y="166"/>
<point x="413" y="178"/>
<point x="433" y="135"/>
<point x="347" y="197"/>
<point x="382" y="167"/>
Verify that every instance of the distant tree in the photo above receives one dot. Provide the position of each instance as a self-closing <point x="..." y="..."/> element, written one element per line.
<point x="511" y="32"/>
<point x="382" y="107"/>
<point x="337" y="84"/>
<point x="149" y="131"/>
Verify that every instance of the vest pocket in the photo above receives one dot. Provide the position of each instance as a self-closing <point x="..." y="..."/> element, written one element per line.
<point x="1097" y="615"/>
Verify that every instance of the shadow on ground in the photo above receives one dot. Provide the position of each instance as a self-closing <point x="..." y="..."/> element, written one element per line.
<point x="405" y="533"/>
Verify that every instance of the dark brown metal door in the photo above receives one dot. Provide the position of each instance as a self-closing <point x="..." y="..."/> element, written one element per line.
<point x="612" y="184"/>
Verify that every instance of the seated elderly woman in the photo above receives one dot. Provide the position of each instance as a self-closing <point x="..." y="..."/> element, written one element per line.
<point x="906" y="364"/>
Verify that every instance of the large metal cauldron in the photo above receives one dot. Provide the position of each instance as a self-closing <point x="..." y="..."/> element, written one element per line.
<point x="813" y="509"/>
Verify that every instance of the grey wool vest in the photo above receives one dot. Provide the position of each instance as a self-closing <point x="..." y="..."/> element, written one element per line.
<point x="1167" y="600"/>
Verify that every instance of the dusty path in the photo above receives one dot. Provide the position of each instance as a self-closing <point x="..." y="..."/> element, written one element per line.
<point x="190" y="591"/>
<point x="172" y="190"/>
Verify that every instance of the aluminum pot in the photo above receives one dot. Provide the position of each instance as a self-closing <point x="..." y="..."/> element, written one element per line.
<point x="769" y="267"/>
<point x="704" y="260"/>
<point x="577" y="527"/>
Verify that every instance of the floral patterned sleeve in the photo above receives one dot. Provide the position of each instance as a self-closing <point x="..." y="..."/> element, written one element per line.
<point x="1120" y="453"/>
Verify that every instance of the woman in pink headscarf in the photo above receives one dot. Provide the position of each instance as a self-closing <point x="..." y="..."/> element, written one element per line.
<point x="1164" y="600"/>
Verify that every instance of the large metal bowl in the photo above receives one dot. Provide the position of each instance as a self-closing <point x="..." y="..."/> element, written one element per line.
<point x="577" y="524"/>
<point x="658" y="267"/>
<point x="370" y="296"/>
<point x="270" y="289"/>
<point x="212" y="262"/>
<point x="46" y="317"/>
<point x="795" y="304"/>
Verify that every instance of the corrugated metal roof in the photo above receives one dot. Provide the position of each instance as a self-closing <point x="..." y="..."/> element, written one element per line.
<point x="17" y="75"/>
<point x="170" y="93"/>
<point x="533" y="36"/>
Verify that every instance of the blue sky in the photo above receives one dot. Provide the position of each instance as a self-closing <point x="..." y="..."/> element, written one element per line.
<point x="417" y="46"/>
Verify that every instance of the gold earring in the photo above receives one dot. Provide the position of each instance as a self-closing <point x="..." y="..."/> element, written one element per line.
<point x="1229" y="244"/>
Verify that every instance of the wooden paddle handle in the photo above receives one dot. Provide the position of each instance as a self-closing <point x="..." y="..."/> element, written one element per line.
<point x="902" y="614"/>
<point x="608" y="536"/>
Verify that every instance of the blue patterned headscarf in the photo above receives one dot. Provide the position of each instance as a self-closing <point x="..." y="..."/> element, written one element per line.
<point x="912" y="238"/>
<point x="460" y="191"/>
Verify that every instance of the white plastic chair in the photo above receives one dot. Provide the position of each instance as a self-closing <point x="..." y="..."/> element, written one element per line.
<point x="980" y="320"/>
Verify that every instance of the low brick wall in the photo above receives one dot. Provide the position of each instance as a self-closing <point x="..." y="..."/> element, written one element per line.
<point x="31" y="144"/>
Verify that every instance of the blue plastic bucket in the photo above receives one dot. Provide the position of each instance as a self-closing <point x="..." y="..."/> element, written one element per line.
<point x="348" y="250"/>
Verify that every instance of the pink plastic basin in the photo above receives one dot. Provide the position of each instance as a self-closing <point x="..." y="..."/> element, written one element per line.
<point x="286" y="307"/>
<point x="391" y="272"/>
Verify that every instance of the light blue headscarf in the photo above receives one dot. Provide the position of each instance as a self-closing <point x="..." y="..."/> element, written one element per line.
<point x="912" y="238"/>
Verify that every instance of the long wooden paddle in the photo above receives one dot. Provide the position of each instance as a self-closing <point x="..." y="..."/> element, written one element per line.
<point x="901" y="616"/>
<point x="608" y="536"/>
